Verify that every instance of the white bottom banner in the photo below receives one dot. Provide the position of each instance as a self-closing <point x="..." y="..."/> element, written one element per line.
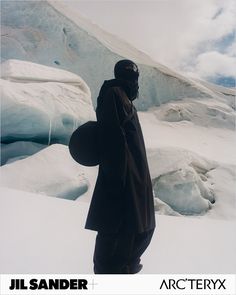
<point x="185" y="284"/>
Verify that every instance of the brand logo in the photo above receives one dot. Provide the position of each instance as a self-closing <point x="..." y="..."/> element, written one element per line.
<point x="50" y="284"/>
<point x="197" y="284"/>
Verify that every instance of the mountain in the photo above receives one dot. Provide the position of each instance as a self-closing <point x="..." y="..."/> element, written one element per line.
<point x="50" y="33"/>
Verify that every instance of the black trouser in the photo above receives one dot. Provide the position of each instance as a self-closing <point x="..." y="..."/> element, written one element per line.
<point x="119" y="253"/>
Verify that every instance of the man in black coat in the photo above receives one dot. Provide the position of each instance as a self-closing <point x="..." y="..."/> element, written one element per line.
<point x="122" y="206"/>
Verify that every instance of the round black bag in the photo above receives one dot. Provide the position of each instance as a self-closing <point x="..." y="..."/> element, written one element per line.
<point x="83" y="145"/>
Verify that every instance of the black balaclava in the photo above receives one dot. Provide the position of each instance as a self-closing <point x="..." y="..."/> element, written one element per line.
<point x="127" y="71"/>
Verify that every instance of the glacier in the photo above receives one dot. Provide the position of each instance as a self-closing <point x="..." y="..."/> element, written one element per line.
<point x="54" y="48"/>
<point x="49" y="33"/>
<point x="42" y="104"/>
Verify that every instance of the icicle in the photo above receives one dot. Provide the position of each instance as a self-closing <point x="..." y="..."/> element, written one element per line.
<point x="75" y="123"/>
<point x="50" y="131"/>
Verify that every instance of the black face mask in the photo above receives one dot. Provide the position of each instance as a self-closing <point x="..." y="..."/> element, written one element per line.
<point x="131" y="88"/>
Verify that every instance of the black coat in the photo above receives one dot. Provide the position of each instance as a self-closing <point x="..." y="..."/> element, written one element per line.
<point x="123" y="190"/>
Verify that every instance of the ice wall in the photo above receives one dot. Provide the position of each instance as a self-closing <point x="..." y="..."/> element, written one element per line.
<point x="37" y="32"/>
<point x="42" y="104"/>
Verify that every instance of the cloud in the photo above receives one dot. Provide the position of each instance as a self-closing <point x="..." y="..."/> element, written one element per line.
<point x="175" y="33"/>
<point x="214" y="63"/>
<point x="231" y="50"/>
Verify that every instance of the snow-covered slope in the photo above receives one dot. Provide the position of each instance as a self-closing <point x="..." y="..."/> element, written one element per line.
<point x="184" y="183"/>
<point x="51" y="171"/>
<point x="204" y="112"/>
<point x="50" y="33"/>
<point x="52" y="239"/>
<point x="41" y="103"/>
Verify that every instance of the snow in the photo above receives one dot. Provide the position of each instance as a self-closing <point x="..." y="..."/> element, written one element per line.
<point x="163" y="208"/>
<point x="191" y="184"/>
<point x="163" y="160"/>
<point x="218" y="88"/>
<point x="180" y="179"/>
<point x="203" y="112"/>
<point x="42" y="104"/>
<point x="215" y="144"/>
<point x="187" y="183"/>
<point x="223" y="179"/>
<point x="52" y="239"/>
<point x="43" y="235"/>
<point x="188" y="245"/>
<point x="21" y="149"/>
<point x="51" y="171"/>
<point x="184" y="191"/>
<point x="23" y="71"/>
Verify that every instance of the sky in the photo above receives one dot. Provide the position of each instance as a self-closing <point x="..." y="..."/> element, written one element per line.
<point x="196" y="37"/>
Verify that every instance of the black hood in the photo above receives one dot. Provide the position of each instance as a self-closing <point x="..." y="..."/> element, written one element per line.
<point x="130" y="87"/>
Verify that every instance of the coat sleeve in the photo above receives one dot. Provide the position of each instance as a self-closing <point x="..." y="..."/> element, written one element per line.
<point x="112" y="141"/>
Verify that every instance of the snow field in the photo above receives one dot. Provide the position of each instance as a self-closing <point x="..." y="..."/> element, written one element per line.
<point x="52" y="239"/>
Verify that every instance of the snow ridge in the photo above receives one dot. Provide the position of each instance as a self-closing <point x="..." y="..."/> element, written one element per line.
<point x="49" y="33"/>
